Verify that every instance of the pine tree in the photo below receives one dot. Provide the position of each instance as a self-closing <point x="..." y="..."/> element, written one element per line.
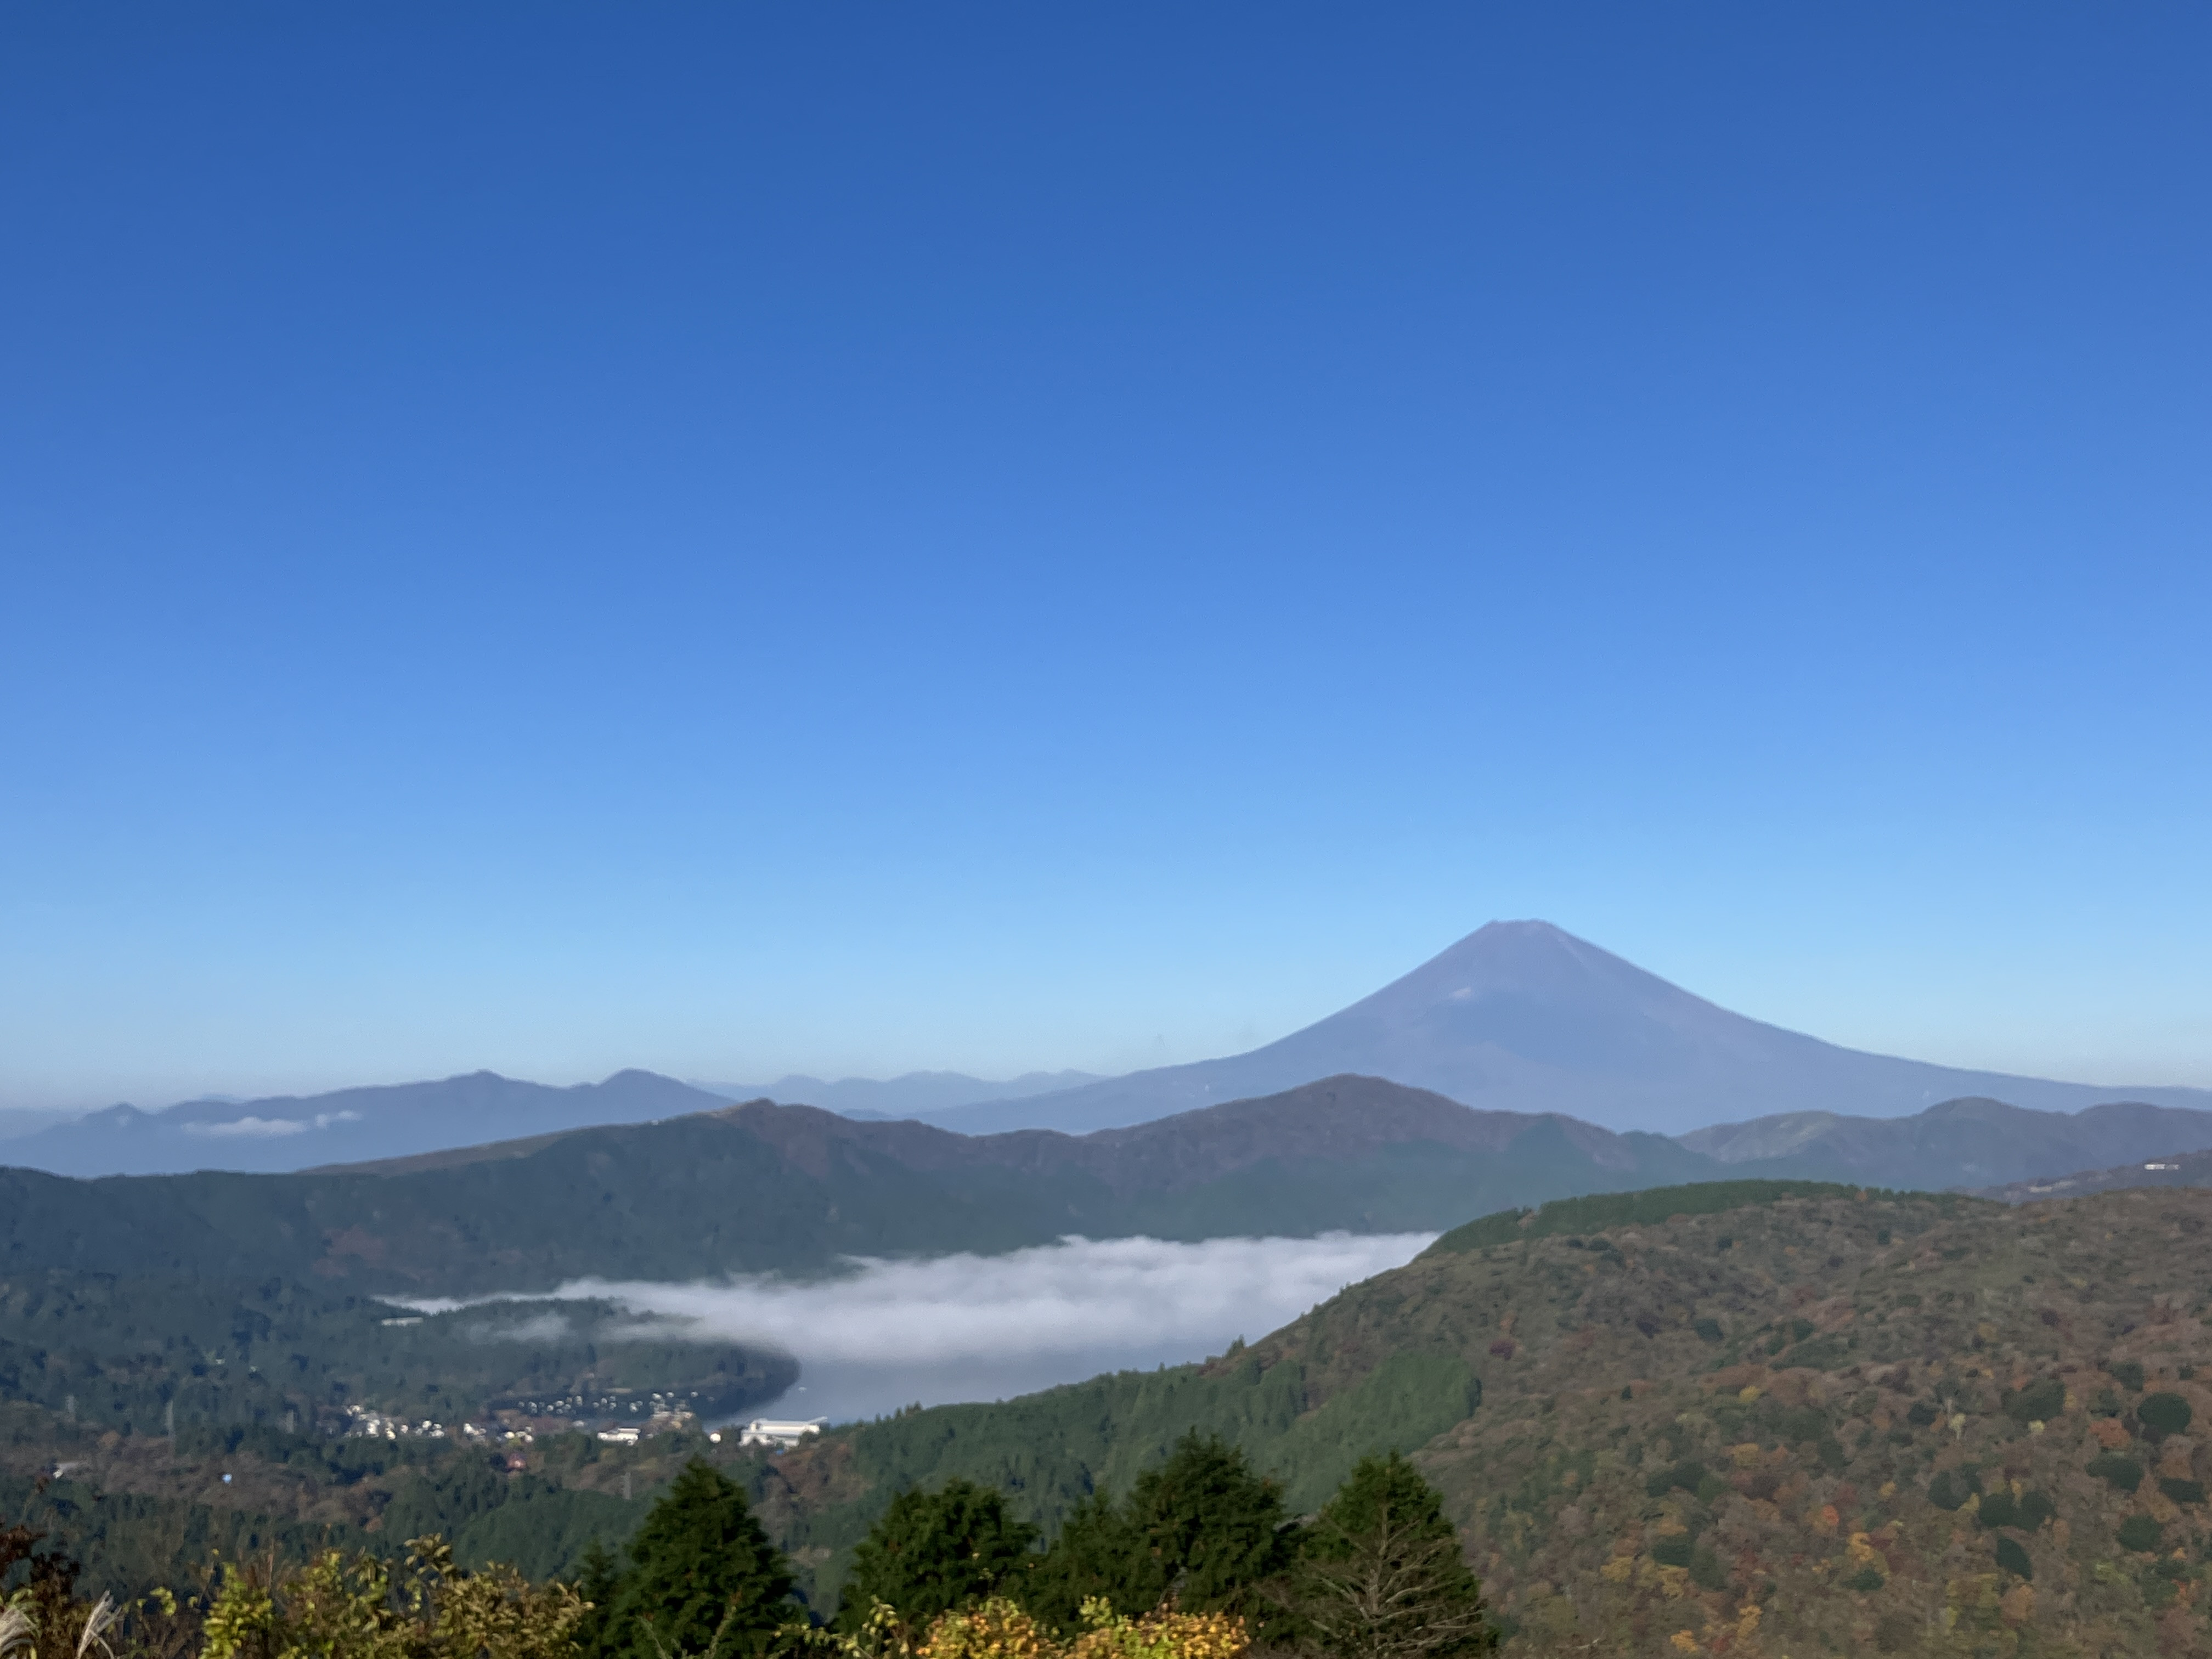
<point x="703" y="1578"/>
<point x="1208" y="1530"/>
<point x="598" y="1581"/>
<point x="1093" y="1555"/>
<point x="1202" y="1527"/>
<point x="931" y="1553"/>
<point x="1382" y="1577"/>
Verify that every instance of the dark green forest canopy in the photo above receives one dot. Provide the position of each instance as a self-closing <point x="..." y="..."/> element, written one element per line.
<point x="935" y="1549"/>
<point x="1732" y="1391"/>
<point x="1597" y="1212"/>
<point x="1305" y="1406"/>
<point x="136" y="1354"/>
<point x="700" y="1568"/>
<point x="763" y="1188"/>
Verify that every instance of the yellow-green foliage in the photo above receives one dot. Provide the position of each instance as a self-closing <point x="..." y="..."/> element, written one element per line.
<point x="1000" y="1628"/>
<point x="1162" y="1633"/>
<point x="361" y="1607"/>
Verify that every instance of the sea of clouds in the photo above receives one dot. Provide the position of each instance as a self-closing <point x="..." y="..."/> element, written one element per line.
<point x="953" y="1328"/>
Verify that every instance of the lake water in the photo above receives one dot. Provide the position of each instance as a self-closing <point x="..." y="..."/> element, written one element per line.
<point x="899" y="1333"/>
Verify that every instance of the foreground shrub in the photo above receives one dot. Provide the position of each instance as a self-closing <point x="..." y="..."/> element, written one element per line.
<point x="45" y="1608"/>
<point x="363" y="1608"/>
<point x="997" y="1628"/>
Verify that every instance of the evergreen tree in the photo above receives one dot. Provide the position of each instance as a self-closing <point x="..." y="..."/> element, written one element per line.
<point x="1202" y="1527"/>
<point x="598" y="1581"/>
<point x="931" y="1553"/>
<point x="1382" y="1577"/>
<point x="703" y="1576"/>
<point x="1093" y="1555"/>
<point x="1208" y="1530"/>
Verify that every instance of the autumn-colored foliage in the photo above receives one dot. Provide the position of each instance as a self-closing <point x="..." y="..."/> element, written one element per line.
<point x="1930" y="1427"/>
<point x="364" y="1608"/>
<point x="998" y="1628"/>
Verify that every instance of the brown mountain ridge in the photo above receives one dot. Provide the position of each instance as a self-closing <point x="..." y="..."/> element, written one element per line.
<point x="1847" y="1421"/>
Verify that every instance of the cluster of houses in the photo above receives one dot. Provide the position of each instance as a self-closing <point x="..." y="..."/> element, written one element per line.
<point x="374" y="1424"/>
<point x="654" y="1412"/>
<point x="664" y="1415"/>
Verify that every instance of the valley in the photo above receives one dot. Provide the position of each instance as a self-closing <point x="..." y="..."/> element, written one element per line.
<point x="1149" y="832"/>
<point x="1671" y="1388"/>
<point x="1879" y="1419"/>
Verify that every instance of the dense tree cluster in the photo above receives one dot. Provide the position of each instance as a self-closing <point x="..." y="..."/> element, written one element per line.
<point x="933" y="1552"/>
<point x="701" y="1577"/>
<point x="1378" y="1574"/>
<point x="1197" y="1561"/>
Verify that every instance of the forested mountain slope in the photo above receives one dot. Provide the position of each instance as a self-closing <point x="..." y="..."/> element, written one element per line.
<point x="2171" y="1169"/>
<point x="1973" y="1142"/>
<point x="1887" y="1423"/>
<point x="136" y="1355"/>
<point x="1739" y="1417"/>
<point x="761" y="1187"/>
<point x="910" y="1095"/>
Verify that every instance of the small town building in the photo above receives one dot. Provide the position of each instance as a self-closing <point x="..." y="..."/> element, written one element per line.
<point x="773" y="1432"/>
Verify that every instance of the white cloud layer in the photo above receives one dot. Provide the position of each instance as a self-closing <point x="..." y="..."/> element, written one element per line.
<point x="260" y="1126"/>
<point x="264" y="1128"/>
<point x="984" y="1328"/>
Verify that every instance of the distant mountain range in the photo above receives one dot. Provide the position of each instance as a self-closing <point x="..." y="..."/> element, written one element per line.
<point x="2171" y="1169"/>
<point x="28" y="1120"/>
<point x="288" y="1132"/>
<point x="1518" y="1016"/>
<point x="761" y="1187"/>
<point x="915" y="1094"/>
<point x="1973" y="1143"/>
<point x="1523" y="1015"/>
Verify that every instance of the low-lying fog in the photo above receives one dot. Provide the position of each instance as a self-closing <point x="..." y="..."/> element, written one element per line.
<point x="954" y="1328"/>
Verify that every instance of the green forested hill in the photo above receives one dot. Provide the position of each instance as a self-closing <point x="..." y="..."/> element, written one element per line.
<point x="141" y="1510"/>
<point x="134" y="1355"/>
<point x="1753" y="1418"/>
<point x="1890" y="1423"/>
<point x="762" y="1186"/>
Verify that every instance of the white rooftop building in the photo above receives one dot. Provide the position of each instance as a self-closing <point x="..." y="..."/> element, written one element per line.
<point x="772" y="1432"/>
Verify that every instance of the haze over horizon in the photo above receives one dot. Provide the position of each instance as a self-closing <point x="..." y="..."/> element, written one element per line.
<point x="1519" y="1016"/>
<point x="739" y="544"/>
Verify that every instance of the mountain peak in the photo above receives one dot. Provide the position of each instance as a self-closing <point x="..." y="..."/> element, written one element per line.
<point x="1523" y="1016"/>
<point x="1523" y="927"/>
<point x="1516" y="969"/>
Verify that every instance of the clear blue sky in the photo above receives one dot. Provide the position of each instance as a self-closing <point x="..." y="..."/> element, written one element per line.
<point x="732" y="538"/>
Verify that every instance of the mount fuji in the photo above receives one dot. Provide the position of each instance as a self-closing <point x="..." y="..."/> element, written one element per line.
<point x="1523" y="1016"/>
